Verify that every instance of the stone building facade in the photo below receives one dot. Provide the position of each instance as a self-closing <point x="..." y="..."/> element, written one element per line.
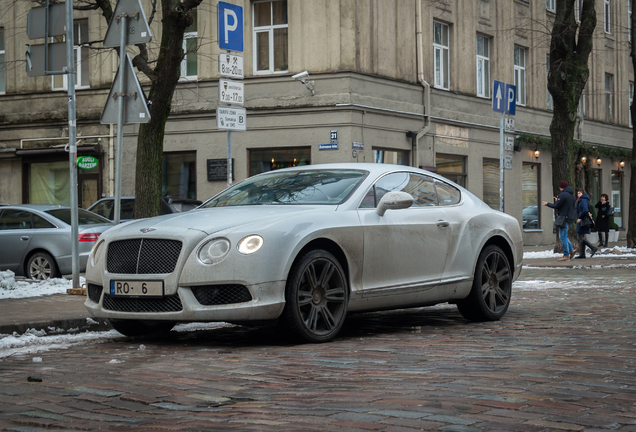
<point x="401" y="81"/>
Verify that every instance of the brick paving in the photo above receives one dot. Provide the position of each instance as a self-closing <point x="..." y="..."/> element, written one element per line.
<point x="562" y="359"/>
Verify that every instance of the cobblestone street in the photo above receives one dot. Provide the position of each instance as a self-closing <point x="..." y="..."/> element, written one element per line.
<point x="563" y="358"/>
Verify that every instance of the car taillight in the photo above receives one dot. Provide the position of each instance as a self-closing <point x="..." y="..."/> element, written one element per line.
<point x="91" y="237"/>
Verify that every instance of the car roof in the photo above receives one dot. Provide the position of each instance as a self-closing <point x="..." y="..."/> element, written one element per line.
<point x="38" y="207"/>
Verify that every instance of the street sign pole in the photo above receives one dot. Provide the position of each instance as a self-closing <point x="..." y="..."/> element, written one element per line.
<point x="501" y="161"/>
<point x="229" y="158"/>
<point x="120" y="120"/>
<point x="72" y="134"/>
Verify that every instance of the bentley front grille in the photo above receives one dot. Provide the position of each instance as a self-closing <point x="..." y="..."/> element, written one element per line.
<point x="208" y="295"/>
<point x="143" y="256"/>
<point x="125" y="304"/>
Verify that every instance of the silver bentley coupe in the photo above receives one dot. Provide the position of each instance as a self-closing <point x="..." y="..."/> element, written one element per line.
<point x="301" y="247"/>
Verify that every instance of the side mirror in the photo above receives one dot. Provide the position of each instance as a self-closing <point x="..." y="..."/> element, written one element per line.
<point x="394" y="201"/>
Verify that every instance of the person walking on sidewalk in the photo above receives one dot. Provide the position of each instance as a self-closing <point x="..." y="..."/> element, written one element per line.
<point x="603" y="220"/>
<point x="564" y="206"/>
<point x="584" y="223"/>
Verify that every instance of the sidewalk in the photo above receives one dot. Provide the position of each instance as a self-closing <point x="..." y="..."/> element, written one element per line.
<point x="64" y="311"/>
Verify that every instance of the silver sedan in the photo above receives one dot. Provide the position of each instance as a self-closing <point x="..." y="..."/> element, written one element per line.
<point x="36" y="239"/>
<point x="302" y="247"/>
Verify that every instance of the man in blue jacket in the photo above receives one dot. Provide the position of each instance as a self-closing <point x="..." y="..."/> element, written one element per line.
<point x="564" y="205"/>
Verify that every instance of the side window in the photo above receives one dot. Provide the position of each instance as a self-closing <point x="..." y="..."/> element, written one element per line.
<point x="448" y="195"/>
<point x="40" y="222"/>
<point x="421" y="188"/>
<point x="127" y="209"/>
<point x="15" y="219"/>
<point x="104" y="208"/>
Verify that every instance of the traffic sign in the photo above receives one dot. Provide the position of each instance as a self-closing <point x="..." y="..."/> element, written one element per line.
<point x="508" y="162"/>
<point x="35" y="59"/>
<point x="36" y="21"/>
<point x="509" y="143"/>
<point x="231" y="65"/>
<point x="135" y="107"/>
<point x="138" y="30"/>
<point x="511" y="99"/>
<point x="510" y="125"/>
<point x="230" y="26"/>
<point x="232" y="92"/>
<point x="498" y="96"/>
<point x="231" y="118"/>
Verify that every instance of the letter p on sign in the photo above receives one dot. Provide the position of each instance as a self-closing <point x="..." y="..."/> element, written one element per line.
<point x="230" y="27"/>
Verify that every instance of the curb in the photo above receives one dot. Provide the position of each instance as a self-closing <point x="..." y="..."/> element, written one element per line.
<point x="73" y="324"/>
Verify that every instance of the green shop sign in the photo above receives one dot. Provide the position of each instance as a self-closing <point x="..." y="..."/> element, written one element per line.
<point x="87" y="162"/>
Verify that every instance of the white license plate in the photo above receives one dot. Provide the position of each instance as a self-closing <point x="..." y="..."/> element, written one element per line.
<point x="136" y="288"/>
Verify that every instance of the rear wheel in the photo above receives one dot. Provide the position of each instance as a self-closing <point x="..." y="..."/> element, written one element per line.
<point x="489" y="297"/>
<point x="141" y="328"/>
<point x="316" y="297"/>
<point x="41" y="266"/>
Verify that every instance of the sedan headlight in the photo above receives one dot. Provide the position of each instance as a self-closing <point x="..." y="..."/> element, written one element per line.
<point x="214" y="251"/>
<point x="250" y="244"/>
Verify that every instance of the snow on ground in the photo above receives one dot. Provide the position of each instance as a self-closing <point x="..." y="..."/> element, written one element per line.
<point x="11" y="288"/>
<point x="624" y="252"/>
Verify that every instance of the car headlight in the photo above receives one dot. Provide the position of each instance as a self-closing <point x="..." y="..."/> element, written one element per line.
<point x="214" y="251"/>
<point x="96" y="252"/>
<point x="250" y="244"/>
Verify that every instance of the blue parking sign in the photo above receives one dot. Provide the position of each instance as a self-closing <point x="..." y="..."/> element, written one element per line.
<point x="230" y="27"/>
<point x="511" y="99"/>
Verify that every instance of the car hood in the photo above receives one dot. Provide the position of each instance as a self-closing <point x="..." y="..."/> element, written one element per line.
<point x="217" y="219"/>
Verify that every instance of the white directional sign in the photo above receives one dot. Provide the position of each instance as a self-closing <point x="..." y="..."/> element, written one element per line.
<point x="230" y="118"/>
<point x="231" y="65"/>
<point x="508" y="162"/>
<point x="509" y="144"/>
<point x="499" y="89"/>
<point x="510" y="125"/>
<point x="231" y="92"/>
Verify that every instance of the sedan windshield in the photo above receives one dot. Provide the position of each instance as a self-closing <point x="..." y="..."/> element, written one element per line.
<point x="84" y="217"/>
<point x="292" y="187"/>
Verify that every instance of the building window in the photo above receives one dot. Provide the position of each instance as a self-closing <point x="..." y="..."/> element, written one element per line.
<point x="179" y="175"/>
<point x="397" y="157"/>
<point x="3" y="75"/>
<point x="270" y="36"/>
<point x="263" y="160"/>
<point x="81" y="51"/>
<point x="550" y="5"/>
<point x="520" y="74"/>
<point x="452" y="167"/>
<point x="530" y="196"/>
<point x="483" y="66"/>
<point x="616" y="198"/>
<point x="581" y="108"/>
<point x="631" y="101"/>
<point x="491" y="183"/>
<point x="440" y="48"/>
<point x="607" y="7"/>
<point x="190" y="41"/>
<point x="550" y="102"/>
<point x="609" y="85"/>
<point x="594" y="186"/>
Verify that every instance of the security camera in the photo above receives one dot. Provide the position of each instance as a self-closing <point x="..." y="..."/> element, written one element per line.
<point x="301" y="75"/>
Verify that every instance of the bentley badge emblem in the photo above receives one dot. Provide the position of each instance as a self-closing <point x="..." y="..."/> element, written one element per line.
<point x="146" y="230"/>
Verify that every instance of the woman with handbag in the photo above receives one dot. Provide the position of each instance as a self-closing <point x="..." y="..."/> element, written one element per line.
<point x="603" y="220"/>
<point x="584" y="223"/>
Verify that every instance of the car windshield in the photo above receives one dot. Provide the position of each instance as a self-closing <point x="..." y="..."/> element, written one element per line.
<point x="291" y="187"/>
<point x="84" y="217"/>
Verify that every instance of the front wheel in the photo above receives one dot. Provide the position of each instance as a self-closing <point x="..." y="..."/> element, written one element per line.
<point x="141" y="328"/>
<point x="489" y="297"/>
<point x="316" y="297"/>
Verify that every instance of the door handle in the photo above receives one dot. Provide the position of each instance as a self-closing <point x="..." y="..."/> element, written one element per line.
<point x="442" y="223"/>
<point x="24" y="238"/>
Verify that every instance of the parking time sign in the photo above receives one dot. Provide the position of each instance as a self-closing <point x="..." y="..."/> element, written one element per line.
<point x="230" y="27"/>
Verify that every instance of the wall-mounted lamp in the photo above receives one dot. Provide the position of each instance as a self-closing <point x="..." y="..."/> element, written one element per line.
<point x="621" y="164"/>
<point x="598" y="161"/>
<point x="536" y="153"/>
<point x="301" y="77"/>
<point x="584" y="159"/>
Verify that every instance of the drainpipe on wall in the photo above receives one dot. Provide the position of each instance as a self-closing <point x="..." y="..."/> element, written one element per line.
<point x="427" y="88"/>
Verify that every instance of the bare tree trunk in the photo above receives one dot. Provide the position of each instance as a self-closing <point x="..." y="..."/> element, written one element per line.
<point x="570" y="48"/>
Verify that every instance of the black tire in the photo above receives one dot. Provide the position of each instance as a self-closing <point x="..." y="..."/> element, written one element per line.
<point x="41" y="266"/>
<point x="141" y="328"/>
<point x="316" y="297"/>
<point x="490" y="295"/>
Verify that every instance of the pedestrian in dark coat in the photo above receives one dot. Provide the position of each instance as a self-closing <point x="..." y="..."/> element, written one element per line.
<point x="564" y="205"/>
<point x="583" y="209"/>
<point x="602" y="219"/>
